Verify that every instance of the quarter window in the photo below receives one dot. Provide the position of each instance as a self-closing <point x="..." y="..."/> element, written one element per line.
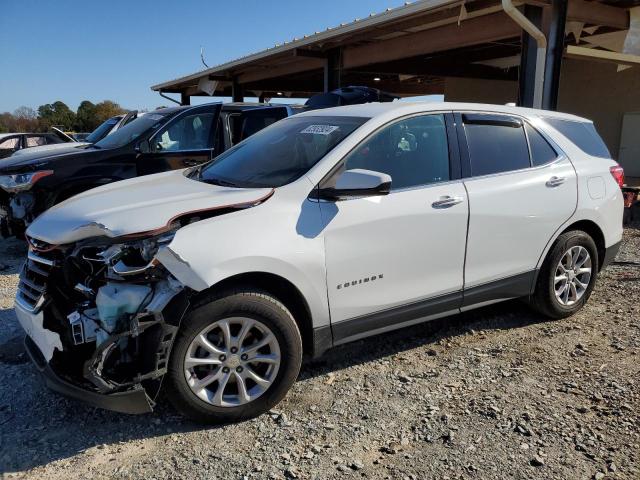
<point x="541" y="151"/>
<point x="583" y="135"/>
<point x="192" y="132"/>
<point x="497" y="143"/>
<point x="413" y="152"/>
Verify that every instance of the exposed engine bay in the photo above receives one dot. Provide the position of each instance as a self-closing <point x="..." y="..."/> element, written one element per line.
<point x="114" y="307"/>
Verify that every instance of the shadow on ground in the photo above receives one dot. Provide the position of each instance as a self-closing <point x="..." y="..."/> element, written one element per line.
<point x="38" y="427"/>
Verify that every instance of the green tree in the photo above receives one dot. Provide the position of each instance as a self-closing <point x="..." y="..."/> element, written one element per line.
<point x="86" y="117"/>
<point x="56" y="114"/>
<point x="107" y="109"/>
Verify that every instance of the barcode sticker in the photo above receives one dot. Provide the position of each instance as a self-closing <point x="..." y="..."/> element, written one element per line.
<point x="320" y="129"/>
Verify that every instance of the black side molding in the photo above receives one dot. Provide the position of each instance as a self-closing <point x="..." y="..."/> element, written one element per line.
<point x="511" y="287"/>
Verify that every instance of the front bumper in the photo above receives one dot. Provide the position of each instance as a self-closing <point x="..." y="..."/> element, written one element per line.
<point x="134" y="401"/>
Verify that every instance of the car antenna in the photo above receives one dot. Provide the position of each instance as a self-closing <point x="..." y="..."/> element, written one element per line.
<point x="202" y="57"/>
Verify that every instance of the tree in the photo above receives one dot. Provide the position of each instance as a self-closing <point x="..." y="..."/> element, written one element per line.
<point x="107" y="109"/>
<point x="25" y="119"/>
<point x="85" y="117"/>
<point x="56" y="114"/>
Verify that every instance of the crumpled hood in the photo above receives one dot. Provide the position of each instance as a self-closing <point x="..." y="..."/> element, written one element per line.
<point x="142" y="204"/>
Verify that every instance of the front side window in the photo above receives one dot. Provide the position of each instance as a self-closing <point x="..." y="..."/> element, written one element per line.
<point x="279" y="154"/>
<point x="497" y="143"/>
<point x="413" y="152"/>
<point x="192" y="132"/>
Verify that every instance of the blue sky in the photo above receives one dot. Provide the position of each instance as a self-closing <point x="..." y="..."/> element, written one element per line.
<point x="72" y="50"/>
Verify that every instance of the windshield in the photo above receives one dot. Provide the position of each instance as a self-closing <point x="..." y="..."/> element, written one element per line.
<point x="103" y="129"/>
<point x="132" y="131"/>
<point x="280" y="153"/>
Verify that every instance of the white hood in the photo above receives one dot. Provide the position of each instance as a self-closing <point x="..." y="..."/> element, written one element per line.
<point x="142" y="204"/>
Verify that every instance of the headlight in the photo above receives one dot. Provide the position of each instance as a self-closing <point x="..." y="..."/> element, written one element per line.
<point x="22" y="181"/>
<point x="136" y="256"/>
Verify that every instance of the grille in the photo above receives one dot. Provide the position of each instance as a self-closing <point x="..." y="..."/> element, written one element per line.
<point x="33" y="280"/>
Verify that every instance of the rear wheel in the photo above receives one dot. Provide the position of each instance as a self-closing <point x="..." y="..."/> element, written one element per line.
<point x="235" y="357"/>
<point x="568" y="275"/>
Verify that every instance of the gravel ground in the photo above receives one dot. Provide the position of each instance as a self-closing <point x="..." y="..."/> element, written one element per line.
<point x="494" y="393"/>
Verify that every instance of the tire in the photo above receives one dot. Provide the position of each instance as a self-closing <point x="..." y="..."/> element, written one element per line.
<point x="249" y="307"/>
<point x="544" y="298"/>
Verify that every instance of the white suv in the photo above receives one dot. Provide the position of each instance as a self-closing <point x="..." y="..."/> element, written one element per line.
<point x="324" y="228"/>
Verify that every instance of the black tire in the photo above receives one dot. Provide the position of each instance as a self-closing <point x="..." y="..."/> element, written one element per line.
<point x="544" y="298"/>
<point x="250" y="303"/>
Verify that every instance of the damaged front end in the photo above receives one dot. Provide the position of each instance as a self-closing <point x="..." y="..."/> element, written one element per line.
<point x="101" y="316"/>
<point x="18" y="202"/>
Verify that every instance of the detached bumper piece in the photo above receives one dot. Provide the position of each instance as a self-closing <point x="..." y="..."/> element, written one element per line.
<point x="134" y="401"/>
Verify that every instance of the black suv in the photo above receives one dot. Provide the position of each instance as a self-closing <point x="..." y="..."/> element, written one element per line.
<point x="165" y="139"/>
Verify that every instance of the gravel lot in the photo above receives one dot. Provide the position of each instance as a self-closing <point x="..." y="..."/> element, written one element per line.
<point x="494" y="393"/>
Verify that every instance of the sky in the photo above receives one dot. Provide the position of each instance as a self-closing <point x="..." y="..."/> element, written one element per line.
<point x="74" y="50"/>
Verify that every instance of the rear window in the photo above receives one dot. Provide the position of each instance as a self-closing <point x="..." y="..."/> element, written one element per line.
<point x="583" y="135"/>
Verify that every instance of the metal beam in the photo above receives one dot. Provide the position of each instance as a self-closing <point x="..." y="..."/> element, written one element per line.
<point x="185" y="99"/>
<point x="490" y="28"/>
<point x="332" y="70"/>
<point x="583" y="53"/>
<point x="555" y="50"/>
<point x="298" y="66"/>
<point x="527" y="77"/>
<point x="236" y="91"/>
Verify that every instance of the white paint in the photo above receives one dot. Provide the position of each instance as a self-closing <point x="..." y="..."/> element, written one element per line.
<point x="596" y="187"/>
<point x="46" y="340"/>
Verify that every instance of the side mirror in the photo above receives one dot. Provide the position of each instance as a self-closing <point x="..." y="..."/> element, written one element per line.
<point x="143" y="147"/>
<point x="358" y="183"/>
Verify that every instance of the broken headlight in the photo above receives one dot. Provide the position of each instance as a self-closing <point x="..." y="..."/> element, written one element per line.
<point x="135" y="257"/>
<point x="22" y="181"/>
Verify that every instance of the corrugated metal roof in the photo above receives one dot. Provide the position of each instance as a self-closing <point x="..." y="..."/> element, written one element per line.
<point x="374" y="19"/>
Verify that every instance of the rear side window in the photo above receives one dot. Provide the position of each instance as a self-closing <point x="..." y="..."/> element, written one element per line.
<point x="541" y="152"/>
<point x="583" y="135"/>
<point x="497" y="143"/>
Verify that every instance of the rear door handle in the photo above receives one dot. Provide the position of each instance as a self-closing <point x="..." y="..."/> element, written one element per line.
<point x="555" y="181"/>
<point x="447" y="201"/>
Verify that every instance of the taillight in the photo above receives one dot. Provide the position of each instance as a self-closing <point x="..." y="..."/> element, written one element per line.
<point x="617" y="173"/>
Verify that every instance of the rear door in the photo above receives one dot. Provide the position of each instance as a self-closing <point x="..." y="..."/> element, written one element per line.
<point x="521" y="189"/>
<point x="187" y="140"/>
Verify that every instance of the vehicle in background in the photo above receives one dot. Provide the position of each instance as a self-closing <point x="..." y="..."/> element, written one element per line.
<point x="352" y="95"/>
<point x="324" y="228"/>
<point x="107" y="127"/>
<point x="165" y="139"/>
<point x="80" y="137"/>
<point x="11" y="143"/>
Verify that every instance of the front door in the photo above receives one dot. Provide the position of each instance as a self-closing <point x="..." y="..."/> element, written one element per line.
<point x="521" y="190"/>
<point x="188" y="140"/>
<point x="397" y="258"/>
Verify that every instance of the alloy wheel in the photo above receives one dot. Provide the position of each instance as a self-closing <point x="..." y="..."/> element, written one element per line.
<point x="232" y="361"/>
<point x="572" y="275"/>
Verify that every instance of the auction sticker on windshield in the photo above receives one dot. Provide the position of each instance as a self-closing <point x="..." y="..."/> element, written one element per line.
<point x="320" y="129"/>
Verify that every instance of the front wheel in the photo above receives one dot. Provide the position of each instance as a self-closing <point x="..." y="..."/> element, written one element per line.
<point x="235" y="357"/>
<point x="568" y="275"/>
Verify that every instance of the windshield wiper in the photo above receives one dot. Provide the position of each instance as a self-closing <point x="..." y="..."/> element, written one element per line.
<point x="222" y="183"/>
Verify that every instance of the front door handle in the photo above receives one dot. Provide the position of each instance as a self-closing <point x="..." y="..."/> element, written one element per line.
<point x="555" y="181"/>
<point x="447" y="201"/>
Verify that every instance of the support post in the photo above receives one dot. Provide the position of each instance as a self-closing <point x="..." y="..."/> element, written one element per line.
<point x="185" y="99"/>
<point x="528" y="59"/>
<point x="332" y="70"/>
<point x="555" y="51"/>
<point x="237" y="94"/>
